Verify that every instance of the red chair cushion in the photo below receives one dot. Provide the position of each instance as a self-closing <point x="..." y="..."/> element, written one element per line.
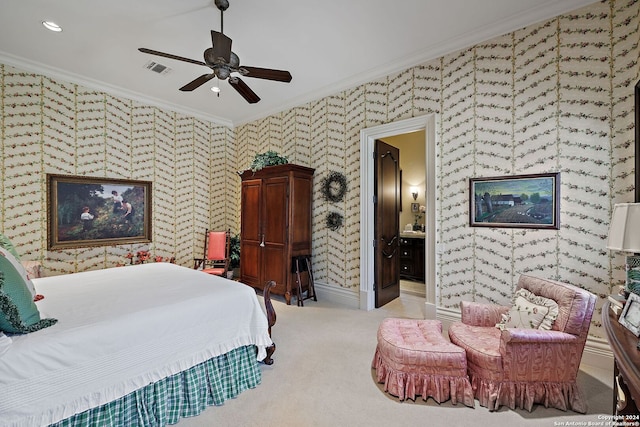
<point x="216" y="248"/>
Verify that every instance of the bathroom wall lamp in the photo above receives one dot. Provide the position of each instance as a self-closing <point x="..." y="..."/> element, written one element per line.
<point x="414" y="193"/>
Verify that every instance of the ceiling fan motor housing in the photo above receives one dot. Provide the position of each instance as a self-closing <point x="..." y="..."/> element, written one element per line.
<point x="211" y="59"/>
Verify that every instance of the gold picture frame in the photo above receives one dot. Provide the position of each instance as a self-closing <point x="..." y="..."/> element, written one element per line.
<point x="87" y="211"/>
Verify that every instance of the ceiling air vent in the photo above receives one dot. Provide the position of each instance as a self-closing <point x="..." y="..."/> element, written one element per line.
<point x="157" y="68"/>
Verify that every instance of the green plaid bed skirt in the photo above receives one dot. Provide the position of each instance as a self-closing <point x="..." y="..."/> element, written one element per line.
<point x="184" y="394"/>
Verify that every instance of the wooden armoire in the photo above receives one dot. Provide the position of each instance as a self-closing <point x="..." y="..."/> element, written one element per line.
<point x="275" y="225"/>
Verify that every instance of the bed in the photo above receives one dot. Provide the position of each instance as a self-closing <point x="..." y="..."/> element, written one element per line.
<point x="137" y="345"/>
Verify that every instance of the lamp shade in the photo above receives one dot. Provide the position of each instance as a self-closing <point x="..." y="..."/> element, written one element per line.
<point x="624" y="231"/>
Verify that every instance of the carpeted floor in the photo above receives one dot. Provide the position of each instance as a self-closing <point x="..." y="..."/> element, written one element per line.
<point x="322" y="377"/>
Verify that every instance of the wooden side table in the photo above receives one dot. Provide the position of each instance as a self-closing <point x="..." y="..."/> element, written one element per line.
<point x="626" y="368"/>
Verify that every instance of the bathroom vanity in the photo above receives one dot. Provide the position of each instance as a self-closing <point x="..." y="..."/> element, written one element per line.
<point x="412" y="256"/>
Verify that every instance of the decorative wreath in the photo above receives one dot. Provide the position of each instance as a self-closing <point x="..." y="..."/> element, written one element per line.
<point x="334" y="220"/>
<point x="334" y="187"/>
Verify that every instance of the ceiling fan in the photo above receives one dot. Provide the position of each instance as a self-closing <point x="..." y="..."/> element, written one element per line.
<point x="223" y="62"/>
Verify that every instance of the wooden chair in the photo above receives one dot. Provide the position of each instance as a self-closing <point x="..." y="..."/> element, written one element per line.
<point x="216" y="253"/>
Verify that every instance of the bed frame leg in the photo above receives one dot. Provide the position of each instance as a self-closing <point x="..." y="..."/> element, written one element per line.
<point x="270" y="350"/>
<point x="271" y="319"/>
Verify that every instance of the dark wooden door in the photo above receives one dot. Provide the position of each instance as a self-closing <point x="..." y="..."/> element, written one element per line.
<point x="251" y="239"/>
<point x="387" y="223"/>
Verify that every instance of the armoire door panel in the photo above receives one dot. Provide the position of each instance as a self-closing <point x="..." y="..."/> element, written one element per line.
<point x="251" y="263"/>
<point x="275" y="202"/>
<point x="301" y="225"/>
<point x="250" y="215"/>
<point x="274" y="266"/>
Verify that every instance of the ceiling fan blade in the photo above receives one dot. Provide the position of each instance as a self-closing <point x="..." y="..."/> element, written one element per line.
<point x="221" y="46"/>
<point x="170" y="56"/>
<point x="268" y="74"/>
<point x="196" y="83"/>
<point x="244" y="90"/>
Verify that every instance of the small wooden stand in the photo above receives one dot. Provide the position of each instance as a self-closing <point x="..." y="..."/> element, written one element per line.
<point x="301" y="264"/>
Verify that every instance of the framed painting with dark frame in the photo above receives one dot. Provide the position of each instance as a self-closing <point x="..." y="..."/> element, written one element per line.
<point x="86" y="211"/>
<point x="517" y="201"/>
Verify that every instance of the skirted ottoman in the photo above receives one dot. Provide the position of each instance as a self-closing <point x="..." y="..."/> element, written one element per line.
<point x="414" y="359"/>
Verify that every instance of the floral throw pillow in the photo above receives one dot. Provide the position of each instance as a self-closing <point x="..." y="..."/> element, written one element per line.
<point x="530" y="311"/>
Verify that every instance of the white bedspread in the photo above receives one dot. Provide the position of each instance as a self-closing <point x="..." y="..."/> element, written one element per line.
<point x="120" y="329"/>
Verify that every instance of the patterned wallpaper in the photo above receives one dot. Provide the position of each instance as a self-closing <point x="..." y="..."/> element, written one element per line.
<point x="49" y="126"/>
<point x="555" y="96"/>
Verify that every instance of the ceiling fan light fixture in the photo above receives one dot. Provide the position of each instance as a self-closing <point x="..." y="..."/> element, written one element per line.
<point x="52" y="26"/>
<point x="216" y="89"/>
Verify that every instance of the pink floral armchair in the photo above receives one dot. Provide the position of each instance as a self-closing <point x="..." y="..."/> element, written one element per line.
<point x="520" y="367"/>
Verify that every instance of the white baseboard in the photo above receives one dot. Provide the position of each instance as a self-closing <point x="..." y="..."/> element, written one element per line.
<point x="597" y="352"/>
<point x="337" y="295"/>
<point x="430" y="311"/>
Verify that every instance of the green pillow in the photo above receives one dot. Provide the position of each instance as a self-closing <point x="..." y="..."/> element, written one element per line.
<point x="6" y="243"/>
<point x="18" y="312"/>
<point x="17" y="266"/>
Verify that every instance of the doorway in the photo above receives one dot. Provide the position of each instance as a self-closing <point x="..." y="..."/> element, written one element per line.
<point x="412" y="211"/>
<point x="367" y="142"/>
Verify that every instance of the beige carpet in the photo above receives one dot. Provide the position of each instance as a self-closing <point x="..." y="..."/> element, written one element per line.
<point x="322" y="377"/>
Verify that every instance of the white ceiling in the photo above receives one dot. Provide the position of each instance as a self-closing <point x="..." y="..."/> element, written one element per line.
<point x="327" y="45"/>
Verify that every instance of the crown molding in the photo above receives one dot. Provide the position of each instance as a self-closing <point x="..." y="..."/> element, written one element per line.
<point x="543" y="11"/>
<point x="45" y="70"/>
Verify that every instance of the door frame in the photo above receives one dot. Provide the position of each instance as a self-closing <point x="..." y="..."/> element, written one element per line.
<point x="367" y="228"/>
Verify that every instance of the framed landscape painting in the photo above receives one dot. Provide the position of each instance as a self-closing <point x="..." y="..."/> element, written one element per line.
<point x="517" y="201"/>
<point x="86" y="211"/>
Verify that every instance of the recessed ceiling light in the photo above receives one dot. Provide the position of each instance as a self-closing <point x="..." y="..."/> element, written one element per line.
<point x="52" y="26"/>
